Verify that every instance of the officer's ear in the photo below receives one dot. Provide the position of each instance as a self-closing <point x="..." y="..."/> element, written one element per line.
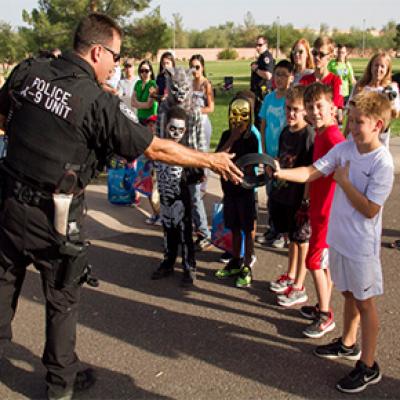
<point x="95" y="53"/>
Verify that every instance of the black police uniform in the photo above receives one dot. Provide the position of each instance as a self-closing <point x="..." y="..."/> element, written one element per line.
<point x="265" y="62"/>
<point x="60" y="126"/>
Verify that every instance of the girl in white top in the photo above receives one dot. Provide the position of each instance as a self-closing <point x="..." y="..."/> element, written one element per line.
<point x="378" y="78"/>
<point x="301" y="58"/>
<point x="203" y="97"/>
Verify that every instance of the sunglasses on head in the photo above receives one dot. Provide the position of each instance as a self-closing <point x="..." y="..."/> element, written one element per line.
<point x="196" y="67"/>
<point x="144" y="70"/>
<point x="319" y="54"/>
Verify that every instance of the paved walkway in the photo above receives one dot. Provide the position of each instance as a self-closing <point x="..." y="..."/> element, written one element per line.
<point x="152" y="340"/>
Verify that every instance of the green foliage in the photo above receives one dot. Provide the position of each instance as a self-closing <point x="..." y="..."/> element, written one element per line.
<point x="53" y="22"/>
<point x="11" y="46"/>
<point x="146" y="35"/>
<point x="397" y="37"/>
<point x="228" y="54"/>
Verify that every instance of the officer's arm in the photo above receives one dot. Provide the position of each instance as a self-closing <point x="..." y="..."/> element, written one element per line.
<point x="264" y="74"/>
<point x="169" y="152"/>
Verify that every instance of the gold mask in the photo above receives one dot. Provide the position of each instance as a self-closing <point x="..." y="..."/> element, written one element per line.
<point x="239" y="113"/>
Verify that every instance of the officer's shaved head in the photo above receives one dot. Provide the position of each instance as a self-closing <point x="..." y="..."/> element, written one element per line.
<point x="95" y="28"/>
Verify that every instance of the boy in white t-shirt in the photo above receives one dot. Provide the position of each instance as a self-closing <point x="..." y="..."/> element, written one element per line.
<point x="363" y="169"/>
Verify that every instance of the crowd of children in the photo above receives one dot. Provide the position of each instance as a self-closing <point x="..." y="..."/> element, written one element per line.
<point x="320" y="177"/>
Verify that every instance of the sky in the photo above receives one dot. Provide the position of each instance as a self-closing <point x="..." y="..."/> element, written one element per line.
<point x="200" y="14"/>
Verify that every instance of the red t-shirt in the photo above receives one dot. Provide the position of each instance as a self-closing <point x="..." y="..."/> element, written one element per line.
<point x="331" y="80"/>
<point x="322" y="189"/>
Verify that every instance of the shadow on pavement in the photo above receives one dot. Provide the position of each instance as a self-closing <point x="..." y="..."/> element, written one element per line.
<point x="23" y="373"/>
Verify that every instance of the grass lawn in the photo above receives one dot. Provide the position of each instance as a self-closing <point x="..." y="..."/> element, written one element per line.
<point x="240" y="70"/>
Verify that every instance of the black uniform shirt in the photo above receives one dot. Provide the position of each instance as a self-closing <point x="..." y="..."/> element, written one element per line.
<point x="102" y="124"/>
<point x="265" y="62"/>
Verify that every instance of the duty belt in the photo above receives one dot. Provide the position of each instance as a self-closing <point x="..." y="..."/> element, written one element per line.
<point x="27" y="195"/>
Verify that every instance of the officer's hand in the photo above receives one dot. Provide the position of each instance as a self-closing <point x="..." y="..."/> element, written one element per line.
<point x="221" y="163"/>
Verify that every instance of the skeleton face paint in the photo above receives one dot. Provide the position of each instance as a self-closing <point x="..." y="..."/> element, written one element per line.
<point x="239" y="113"/>
<point x="176" y="129"/>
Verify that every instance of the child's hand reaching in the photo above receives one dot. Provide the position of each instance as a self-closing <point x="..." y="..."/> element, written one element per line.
<point x="341" y="174"/>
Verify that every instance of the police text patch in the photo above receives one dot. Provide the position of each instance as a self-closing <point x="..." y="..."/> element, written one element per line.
<point x="50" y="97"/>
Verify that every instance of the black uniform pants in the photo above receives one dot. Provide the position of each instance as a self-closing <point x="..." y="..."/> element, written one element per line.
<point x="27" y="236"/>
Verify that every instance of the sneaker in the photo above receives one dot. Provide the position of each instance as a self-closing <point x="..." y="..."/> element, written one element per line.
<point x="84" y="380"/>
<point x="309" y="312"/>
<point x="188" y="278"/>
<point x="244" y="279"/>
<point x="232" y="268"/>
<point x="162" y="272"/>
<point x="336" y="349"/>
<point x="153" y="220"/>
<point x="226" y="257"/>
<point x="322" y="324"/>
<point x="203" y="243"/>
<point x="253" y="261"/>
<point x="292" y="297"/>
<point x="281" y="284"/>
<point x="279" y="242"/>
<point x="359" y="378"/>
<point x="266" y="237"/>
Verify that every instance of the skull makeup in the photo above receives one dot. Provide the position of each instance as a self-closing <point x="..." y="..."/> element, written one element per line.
<point x="239" y="113"/>
<point x="176" y="129"/>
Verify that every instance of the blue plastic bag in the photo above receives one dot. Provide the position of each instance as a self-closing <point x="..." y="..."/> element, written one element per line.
<point x="221" y="237"/>
<point x="120" y="185"/>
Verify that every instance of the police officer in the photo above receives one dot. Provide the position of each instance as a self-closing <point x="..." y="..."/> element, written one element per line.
<point x="61" y="126"/>
<point x="261" y="73"/>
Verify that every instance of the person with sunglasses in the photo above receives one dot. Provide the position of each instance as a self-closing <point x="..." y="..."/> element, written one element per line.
<point x="144" y="88"/>
<point x="302" y="60"/>
<point x="261" y="74"/>
<point x="322" y="52"/>
<point x="127" y="83"/>
<point x="63" y="126"/>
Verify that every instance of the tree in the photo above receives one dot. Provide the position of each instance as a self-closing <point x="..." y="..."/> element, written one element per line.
<point x="146" y="35"/>
<point x="397" y="37"/>
<point x="181" y="36"/>
<point x="11" y="46"/>
<point x="53" y="22"/>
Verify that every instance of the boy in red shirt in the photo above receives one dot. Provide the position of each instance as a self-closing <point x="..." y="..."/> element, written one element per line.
<point x="322" y="53"/>
<point x="318" y="100"/>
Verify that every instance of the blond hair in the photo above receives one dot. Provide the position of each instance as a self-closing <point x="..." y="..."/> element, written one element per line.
<point x="367" y="76"/>
<point x="373" y="105"/>
<point x="324" y="41"/>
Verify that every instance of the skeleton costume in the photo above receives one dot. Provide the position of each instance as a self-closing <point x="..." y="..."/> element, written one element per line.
<point x="175" y="206"/>
<point x="180" y="94"/>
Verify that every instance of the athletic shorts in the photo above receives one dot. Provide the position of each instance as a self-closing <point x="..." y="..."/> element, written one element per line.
<point x="284" y="221"/>
<point x="240" y="212"/>
<point x="362" y="278"/>
<point x="317" y="258"/>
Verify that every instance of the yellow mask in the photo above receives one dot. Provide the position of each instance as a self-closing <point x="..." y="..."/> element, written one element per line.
<point x="239" y="113"/>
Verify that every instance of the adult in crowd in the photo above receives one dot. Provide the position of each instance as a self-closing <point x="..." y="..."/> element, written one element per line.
<point x="167" y="60"/>
<point x="261" y="74"/>
<point x="302" y="60"/>
<point x="127" y="83"/>
<point x="52" y="154"/>
<point x="341" y="67"/>
<point x="377" y="77"/>
<point x="145" y="87"/>
<point x="203" y="97"/>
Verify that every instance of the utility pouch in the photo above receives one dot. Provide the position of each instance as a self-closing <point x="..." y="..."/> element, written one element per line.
<point x="74" y="262"/>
